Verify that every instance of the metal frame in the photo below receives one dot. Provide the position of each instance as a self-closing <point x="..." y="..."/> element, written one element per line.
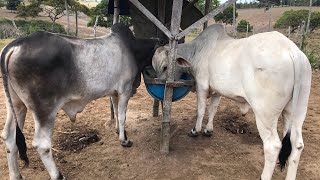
<point x="174" y="36"/>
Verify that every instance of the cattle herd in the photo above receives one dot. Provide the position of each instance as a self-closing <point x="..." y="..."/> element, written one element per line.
<point x="46" y="72"/>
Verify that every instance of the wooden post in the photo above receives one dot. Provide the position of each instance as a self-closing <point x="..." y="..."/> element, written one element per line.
<point x="175" y="25"/>
<point x="234" y="23"/>
<point x="289" y="31"/>
<point x="152" y="18"/>
<point x="205" y="18"/>
<point x="116" y="11"/>
<point x="302" y="34"/>
<point x="247" y="30"/>
<point x="206" y="11"/>
<point x="161" y="17"/>
<point x="309" y="17"/>
<point x="95" y="26"/>
<point x="270" y="24"/>
<point x="155" y="108"/>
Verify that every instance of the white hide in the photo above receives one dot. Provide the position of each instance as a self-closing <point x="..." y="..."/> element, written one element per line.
<point x="266" y="72"/>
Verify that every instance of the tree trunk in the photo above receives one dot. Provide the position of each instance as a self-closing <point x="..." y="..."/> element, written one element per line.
<point x="76" y="13"/>
<point x="68" y="20"/>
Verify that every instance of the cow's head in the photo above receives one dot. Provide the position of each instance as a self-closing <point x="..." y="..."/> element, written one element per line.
<point x="160" y="60"/>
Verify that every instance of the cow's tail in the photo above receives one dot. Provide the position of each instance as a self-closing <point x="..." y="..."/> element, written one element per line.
<point x="20" y="139"/>
<point x="300" y="95"/>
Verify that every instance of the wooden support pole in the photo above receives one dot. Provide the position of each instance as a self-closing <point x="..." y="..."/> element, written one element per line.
<point x="116" y="11"/>
<point x="161" y="17"/>
<point x="152" y="18"/>
<point x="175" y="25"/>
<point x="204" y="19"/>
<point x="206" y="11"/>
<point x="155" y="108"/>
<point x="234" y="22"/>
<point x="270" y="16"/>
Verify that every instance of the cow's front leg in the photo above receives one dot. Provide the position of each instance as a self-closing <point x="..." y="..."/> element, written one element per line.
<point x="201" y="101"/>
<point x="122" y="110"/>
<point x="212" y="109"/>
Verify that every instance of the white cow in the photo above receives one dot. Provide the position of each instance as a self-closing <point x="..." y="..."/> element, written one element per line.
<point x="266" y="72"/>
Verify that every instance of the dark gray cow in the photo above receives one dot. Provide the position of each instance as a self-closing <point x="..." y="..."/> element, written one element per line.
<point x="45" y="72"/>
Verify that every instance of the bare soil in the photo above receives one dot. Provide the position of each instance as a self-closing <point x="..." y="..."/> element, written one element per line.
<point x="89" y="148"/>
<point x="234" y="152"/>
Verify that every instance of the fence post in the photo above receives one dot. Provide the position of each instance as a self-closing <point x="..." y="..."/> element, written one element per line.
<point x="234" y="22"/>
<point x="289" y="31"/>
<point x="95" y="26"/>
<point x="247" y="29"/>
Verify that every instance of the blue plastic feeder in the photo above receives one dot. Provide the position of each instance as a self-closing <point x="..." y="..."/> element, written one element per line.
<point x="156" y="87"/>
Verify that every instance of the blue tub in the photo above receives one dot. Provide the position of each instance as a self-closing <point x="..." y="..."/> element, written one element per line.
<point x="156" y="87"/>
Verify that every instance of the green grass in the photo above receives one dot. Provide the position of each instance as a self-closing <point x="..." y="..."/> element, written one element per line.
<point x="4" y="42"/>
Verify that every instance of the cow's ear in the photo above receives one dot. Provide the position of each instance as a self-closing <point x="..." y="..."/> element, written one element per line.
<point x="182" y="62"/>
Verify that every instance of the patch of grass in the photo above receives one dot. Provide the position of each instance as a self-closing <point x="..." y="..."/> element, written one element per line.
<point x="313" y="58"/>
<point x="4" y="42"/>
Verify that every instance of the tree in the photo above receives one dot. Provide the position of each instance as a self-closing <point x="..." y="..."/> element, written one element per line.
<point x="75" y="7"/>
<point x="294" y="19"/>
<point x="242" y="26"/>
<point x="201" y="4"/>
<point x="54" y="9"/>
<point x="12" y="4"/>
<point x="105" y="20"/>
<point x="2" y="3"/>
<point x="226" y="16"/>
<point x="31" y="10"/>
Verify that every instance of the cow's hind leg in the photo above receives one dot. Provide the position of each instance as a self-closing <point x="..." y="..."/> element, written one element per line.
<point x="9" y="134"/>
<point x="115" y="100"/>
<point x="44" y="123"/>
<point x="122" y="110"/>
<point x="294" y="118"/>
<point x="212" y="109"/>
<point x="267" y="127"/>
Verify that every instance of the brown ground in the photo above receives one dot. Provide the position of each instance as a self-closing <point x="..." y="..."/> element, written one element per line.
<point x="227" y="155"/>
<point x="224" y="156"/>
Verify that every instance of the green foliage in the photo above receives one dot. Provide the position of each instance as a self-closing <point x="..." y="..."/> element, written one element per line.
<point x="242" y="26"/>
<point x="314" y="21"/>
<point x="294" y="19"/>
<point x="226" y="16"/>
<point x="28" y="27"/>
<point x="2" y="3"/>
<point x="201" y="5"/>
<point x="12" y="4"/>
<point x="54" y="9"/>
<point x="31" y="10"/>
<point x="105" y="20"/>
<point x="313" y="58"/>
<point x="246" y="5"/>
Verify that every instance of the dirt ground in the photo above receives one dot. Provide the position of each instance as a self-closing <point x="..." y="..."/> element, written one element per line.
<point x="234" y="152"/>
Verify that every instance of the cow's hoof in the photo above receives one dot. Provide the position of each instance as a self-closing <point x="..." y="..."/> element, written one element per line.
<point x="193" y="133"/>
<point x="207" y="133"/>
<point x="61" y="177"/>
<point x="126" y="143"/>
